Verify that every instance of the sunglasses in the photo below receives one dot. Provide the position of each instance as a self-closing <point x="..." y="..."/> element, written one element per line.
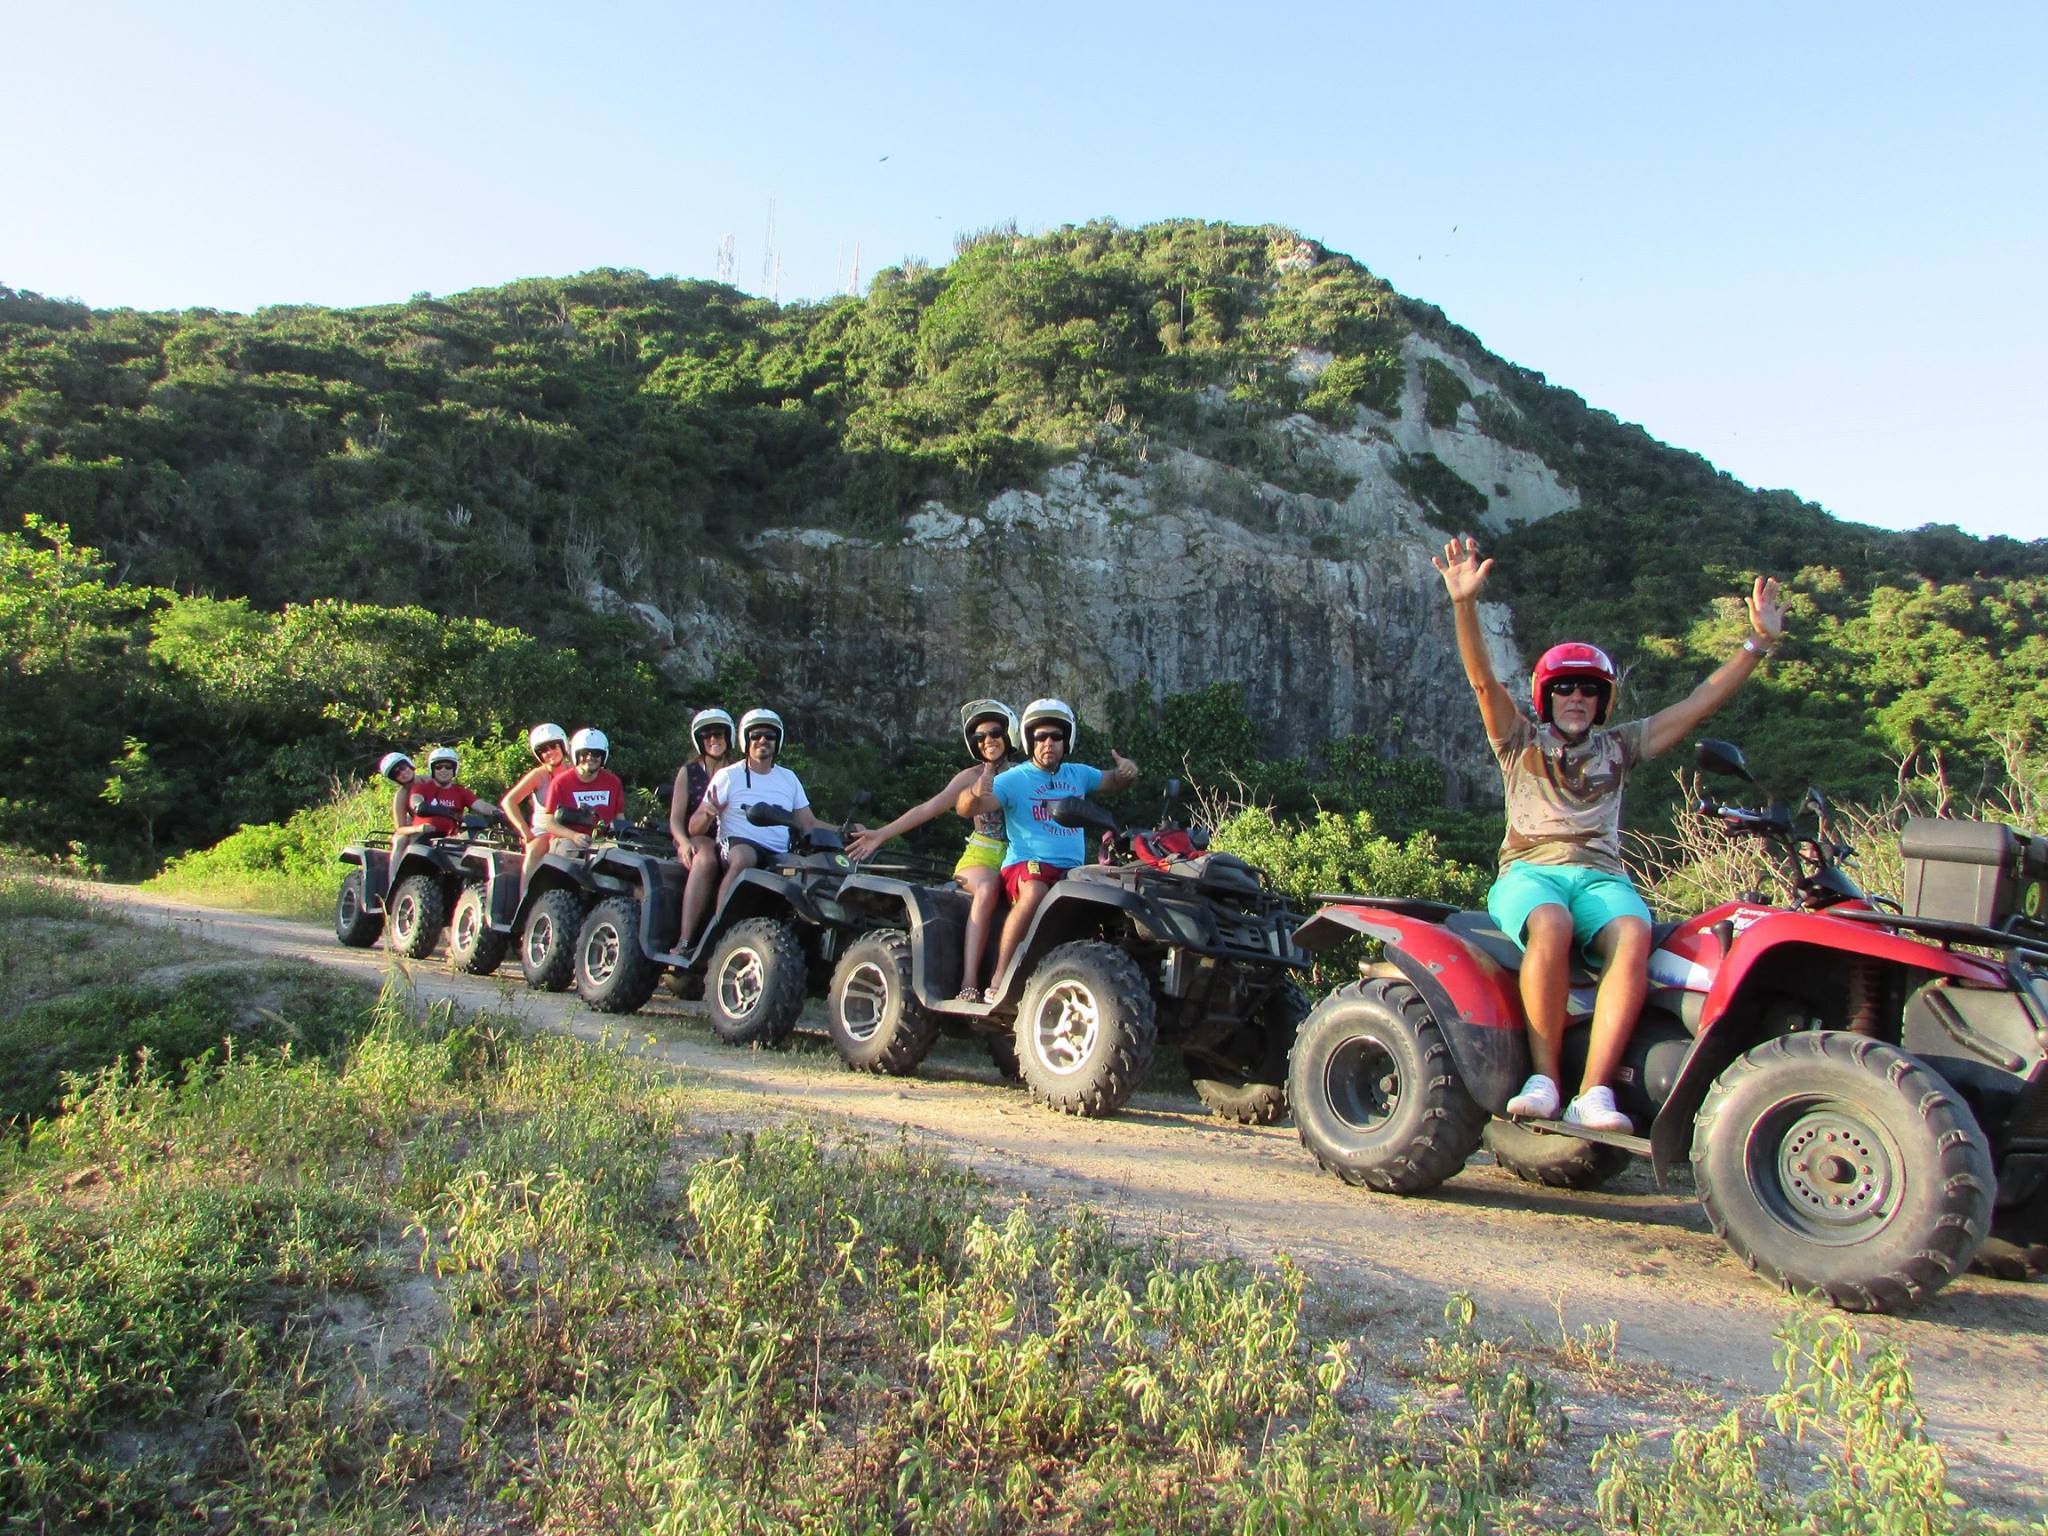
<point x="764" y="736"/>
<point x="1582" y="688"/>
<point x="993" y="733"/>
<point x="1049" y="735"/>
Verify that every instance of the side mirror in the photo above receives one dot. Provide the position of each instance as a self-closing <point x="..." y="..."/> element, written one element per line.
<point x="860" y="799"/>
<point x="1722" y="757"/>
<point x="1083" y="814"/>
<point x="665" y="791"/>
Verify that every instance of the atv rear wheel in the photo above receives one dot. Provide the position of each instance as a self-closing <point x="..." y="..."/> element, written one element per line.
<point x="1834" y="1163"/>
<point x="755" y="983"/>
<point x="418" y="912"/>
<point x="354" y="926"/>
<point x="1376" y="1095"/>
<point x="1256" y="1093"/>
<point x="1002" y="1050"/>
<point x="875" y="1019"/>
<point x="1545" y="1157"/>
<point x="547" y="944"/>
<point x="474" y="945"/>
<point x="613" y="973"/>
<point x="1086" y="1029"/>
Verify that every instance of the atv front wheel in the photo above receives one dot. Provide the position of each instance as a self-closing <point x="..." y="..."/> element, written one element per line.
<point x="1834" y="1163"/>
<point x="1376" y="1095"/>
<point x="876" y="1021"/>
<point x="354" y="926"/>
<point x="1545" y="1157"/>
<point x="755" y="983"/>
<point x="1086" y="1029"/>
<point x="547" y="944"/>
<point x="418" y="913"/>
<point x="613" y="973"/>
<point x="474" y="945"/>
<point x="1256" y="1092"/>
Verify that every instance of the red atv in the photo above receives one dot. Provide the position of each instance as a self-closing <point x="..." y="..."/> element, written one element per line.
<point x="1861" y="1087"/>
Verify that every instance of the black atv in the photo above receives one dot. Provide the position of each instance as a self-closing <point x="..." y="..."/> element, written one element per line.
<point x="772" y="940"/>
<point x="1161" y="936"/>
<point x="431" y="880"/>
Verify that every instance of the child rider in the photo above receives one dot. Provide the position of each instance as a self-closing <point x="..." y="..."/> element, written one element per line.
<point x="1041" y="850"/>
<point x="1561" y="876"/>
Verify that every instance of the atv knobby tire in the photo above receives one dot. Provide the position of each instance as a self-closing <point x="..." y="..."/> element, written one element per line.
<point x="1256" y="1093"/>
<point x="1002" y="1050"/>
<point x="2017" y="1248"/>
<point x="417" y="912"/>
<point x="1834" y="1163"/>
<point x="1376" y="1096"/>
<point x="755" y="983"/>
<point x="355" y="927"/>
<point x="1545" y="1157"/>
<point x="613" y="973"/>
<point x="474" y="945"/>
<point x="1086" y="1029"/>
<point x="547" y="944"/>
<point x="875" y="1020"/>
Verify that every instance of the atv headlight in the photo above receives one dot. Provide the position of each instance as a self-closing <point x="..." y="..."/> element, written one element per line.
<point x="1184" y="925"/>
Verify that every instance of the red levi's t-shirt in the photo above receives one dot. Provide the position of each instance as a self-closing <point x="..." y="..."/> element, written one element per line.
<point x="440" y="810"/>
<point x="602" y="799"/>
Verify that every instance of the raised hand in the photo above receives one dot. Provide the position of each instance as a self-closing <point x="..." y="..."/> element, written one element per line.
<point x="865" y="846"/>
<point x="1766" y="615"/>
<point x="1123" y="764"/>
<point x="1464" y="573"/>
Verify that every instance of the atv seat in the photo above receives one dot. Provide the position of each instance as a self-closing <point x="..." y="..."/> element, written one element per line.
<point x="1478" y="930"/>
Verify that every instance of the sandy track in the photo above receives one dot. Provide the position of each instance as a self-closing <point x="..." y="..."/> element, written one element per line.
<point x="1645" y="1259"/>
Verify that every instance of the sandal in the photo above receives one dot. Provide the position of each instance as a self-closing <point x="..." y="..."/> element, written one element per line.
<point x="967" y="995"/>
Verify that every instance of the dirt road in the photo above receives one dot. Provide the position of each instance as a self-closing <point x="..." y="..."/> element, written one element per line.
<point x="1644" y="1259"/>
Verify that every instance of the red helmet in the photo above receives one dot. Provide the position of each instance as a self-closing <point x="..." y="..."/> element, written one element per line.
<point x="1573" y="659"/>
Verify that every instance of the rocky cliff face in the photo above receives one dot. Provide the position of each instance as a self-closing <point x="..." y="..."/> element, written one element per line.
<point x="1164" y="567"/>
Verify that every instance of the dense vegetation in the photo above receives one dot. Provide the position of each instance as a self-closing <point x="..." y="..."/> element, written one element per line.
<point x="239" y="555"/>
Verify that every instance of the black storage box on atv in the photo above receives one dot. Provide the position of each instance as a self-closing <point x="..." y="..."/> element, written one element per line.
<point x="1980" y="872"/>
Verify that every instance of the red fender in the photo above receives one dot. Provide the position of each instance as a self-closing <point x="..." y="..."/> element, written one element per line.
<point x="1474" y="1001"/>
<point x="1763" y="935"/>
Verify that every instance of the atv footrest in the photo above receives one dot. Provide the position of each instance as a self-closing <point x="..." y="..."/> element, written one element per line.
<point x="1639" y="1145"/>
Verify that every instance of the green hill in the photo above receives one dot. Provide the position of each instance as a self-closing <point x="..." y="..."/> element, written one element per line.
<point x="322" y="531"/>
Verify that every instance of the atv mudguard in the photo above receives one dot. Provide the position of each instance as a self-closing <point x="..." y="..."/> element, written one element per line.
<point x="376" y="863"/>
<point x="1473" y="1000"/>
<point x="934" y="916"/>
<point x="1774" y="945"/>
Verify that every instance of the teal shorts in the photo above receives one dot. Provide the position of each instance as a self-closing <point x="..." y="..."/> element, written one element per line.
<point x="1594" y="897"/>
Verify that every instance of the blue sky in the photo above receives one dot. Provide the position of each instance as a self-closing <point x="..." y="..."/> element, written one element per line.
<point x="1805" y="242"/>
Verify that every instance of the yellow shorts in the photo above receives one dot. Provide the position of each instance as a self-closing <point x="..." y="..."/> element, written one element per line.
<point x="980" y="853"/>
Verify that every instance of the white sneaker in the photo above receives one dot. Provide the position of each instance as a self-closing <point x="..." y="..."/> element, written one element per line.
<point x="1594" y="1109"/>
<point x="1538" y="1100"/>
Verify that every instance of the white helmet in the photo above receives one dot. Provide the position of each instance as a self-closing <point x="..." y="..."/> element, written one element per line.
<point x="705" y="719"/>
<point x="393" y="761"/>
<point x="1044" y="711"/>
<point x="589" y="739"/>
<point x="987" y="709"/>
<point x="754" y="717"/>
<point x="442" y="755"/>
<point x="541" y="735"/>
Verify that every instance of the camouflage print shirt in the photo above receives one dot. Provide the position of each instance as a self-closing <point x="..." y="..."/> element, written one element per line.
<point x="1564" y="801"/>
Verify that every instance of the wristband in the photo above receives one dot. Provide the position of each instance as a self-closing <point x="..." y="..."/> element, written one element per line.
<point x="1749" y="644"/>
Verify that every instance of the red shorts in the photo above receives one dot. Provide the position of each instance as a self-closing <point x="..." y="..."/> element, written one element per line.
<point x="1025" y="872"/>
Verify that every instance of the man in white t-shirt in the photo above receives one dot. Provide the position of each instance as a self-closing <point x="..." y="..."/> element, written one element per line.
<point x="756" y="779"/>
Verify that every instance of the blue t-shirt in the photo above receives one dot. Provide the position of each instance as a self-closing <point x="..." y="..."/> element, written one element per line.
<point x="1024" y="792"/>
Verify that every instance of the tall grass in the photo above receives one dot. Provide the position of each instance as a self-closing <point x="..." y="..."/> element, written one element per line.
<point x="462" y="1276"/>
